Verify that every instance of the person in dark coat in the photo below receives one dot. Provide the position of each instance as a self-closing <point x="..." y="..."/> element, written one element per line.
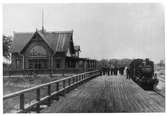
<point x="111" y="70"/>
<point x="127" y="73"/>
<point x="121" y="70"/>
<point x="103" y="71"/>
<point x="115" y="71"/>
<point x="108" y="71"/>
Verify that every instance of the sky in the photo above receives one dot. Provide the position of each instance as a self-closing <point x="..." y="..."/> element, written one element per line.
<point x="107" y="30"/>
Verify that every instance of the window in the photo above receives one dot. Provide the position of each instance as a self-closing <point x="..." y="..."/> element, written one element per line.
<point x="38" y="51"/>
<point x="17" y="63"/>
<point x="69" y="64"/>
<point x="45" y="64"/>
<point x="58" y="63"/>
<point x="30" y="65"/>
<point x="38" y="63"/>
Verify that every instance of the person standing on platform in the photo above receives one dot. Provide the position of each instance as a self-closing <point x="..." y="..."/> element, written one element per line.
<point x="108" y="71"/>
<point x="103" y="71"/>
<point x="112" y="71"/>
<point x="119" y="70"/>
<point x="127" y="73"/>
<point x="122" y="70"/>
<point x="115" y="70"/>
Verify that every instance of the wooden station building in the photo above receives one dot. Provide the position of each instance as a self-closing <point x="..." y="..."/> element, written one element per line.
<point x="43" y="51"/>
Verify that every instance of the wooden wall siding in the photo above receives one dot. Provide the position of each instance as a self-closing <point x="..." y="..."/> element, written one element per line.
<point x="80" y="64"/>
<point x="33" y="43"/>
<point x="17" y="62"/>
<point x="58" y="59"/>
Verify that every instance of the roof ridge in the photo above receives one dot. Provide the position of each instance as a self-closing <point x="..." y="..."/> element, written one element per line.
<point x="23" y="32"/>
<point x="67" y="31"/>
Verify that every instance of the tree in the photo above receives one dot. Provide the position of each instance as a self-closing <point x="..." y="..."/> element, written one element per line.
<point x="161" y="63"/>
<point x="6" y="46"/>
<point x="114" y="62"/>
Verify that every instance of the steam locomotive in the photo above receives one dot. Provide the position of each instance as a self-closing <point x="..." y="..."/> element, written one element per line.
<point x="142" y="72"/>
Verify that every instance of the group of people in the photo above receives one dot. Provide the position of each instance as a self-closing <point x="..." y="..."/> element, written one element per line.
<point x="112" y="71"/>
<point x="115" y="71"/>
<point x="127" y="73"/>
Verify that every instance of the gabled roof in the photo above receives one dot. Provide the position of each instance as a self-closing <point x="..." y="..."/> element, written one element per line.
<point x="58" y="41"/>
<point x="19" y="41"/>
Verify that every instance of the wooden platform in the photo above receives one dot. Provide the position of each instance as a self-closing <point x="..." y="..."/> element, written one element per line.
<point x="108" y="94"/>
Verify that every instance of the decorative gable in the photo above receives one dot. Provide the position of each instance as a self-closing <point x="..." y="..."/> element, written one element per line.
<point x="38" y="50"/>
<point x="36" y="39"/>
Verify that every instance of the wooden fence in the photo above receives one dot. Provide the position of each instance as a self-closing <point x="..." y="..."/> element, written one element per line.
<point x="61" y="87"/>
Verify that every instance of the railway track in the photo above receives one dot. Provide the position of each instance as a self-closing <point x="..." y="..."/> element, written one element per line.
<point x="159" y="93"/>
<point x="157" y="90"/>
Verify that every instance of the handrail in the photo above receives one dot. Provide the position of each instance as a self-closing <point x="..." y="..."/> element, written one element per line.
<point x="79" y="78"/>
<point x="40" y="86"/>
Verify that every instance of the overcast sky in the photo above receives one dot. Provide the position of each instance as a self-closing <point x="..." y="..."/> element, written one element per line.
<point x="102" y="30"/>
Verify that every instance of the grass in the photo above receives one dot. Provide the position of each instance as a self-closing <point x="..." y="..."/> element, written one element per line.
<point x="13" y="84"/>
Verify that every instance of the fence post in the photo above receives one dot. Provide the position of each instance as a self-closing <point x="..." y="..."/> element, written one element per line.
<point x="38" y="99"/>
<point x="80" y="77"/>
<point x="64" y="84"/>
<point x="76" y="79"/>
<point x="22" y="101"/>
<point x="73" y="80"/>
<point x="57" y="89"/>
<point x="49" y="93"/>
<point x="64" y="90"/>
<point x="57" y="86"/>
